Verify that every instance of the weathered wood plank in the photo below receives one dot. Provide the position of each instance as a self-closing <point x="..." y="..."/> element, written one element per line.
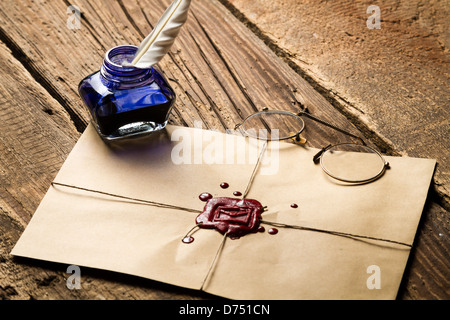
<point x="427" y="274"/>
<point x="208" y="86"/>
<point x="220" y="71"/>
<point x="35" y="137"/>
<point x="395" y="79"/>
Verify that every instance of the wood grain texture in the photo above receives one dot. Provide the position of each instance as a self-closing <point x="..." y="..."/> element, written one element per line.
<point x="221" y="72"/>
<point x="395" y="80"/>
<point x="35" y="138"/>
<point x="213" y="86"/>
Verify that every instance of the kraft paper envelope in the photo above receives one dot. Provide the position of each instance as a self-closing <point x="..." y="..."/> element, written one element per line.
<point x="85" y="222"/>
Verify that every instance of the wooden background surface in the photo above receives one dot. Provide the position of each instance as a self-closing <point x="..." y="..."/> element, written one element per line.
<point x="233" y="57"/>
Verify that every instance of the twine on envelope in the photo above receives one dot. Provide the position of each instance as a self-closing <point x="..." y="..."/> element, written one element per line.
<point x="255" y="170"/>
<point x="222" y="243"/>
<point x="147" y="202"/>
<point x="336" y="233"/>
<point x="211" y="267"/>
<point x="280" y="225"/>
<point x="247" y="190"/>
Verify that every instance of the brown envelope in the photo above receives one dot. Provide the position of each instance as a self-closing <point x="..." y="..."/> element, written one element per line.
<point x="171" y="169"/>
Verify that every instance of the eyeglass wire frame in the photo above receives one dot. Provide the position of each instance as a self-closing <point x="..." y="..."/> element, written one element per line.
<point x="318" y="157"/>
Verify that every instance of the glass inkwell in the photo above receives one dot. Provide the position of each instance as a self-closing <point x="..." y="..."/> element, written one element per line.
<point x="126" y="101"/>
<point x="129" y="96"/>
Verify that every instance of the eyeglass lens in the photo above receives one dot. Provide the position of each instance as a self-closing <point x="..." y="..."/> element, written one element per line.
<point x="346" y="162"/>
<point x="273" y="125"/>
<point x="352" y="163"/>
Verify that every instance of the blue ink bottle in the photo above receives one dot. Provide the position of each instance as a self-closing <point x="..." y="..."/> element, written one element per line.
<point x="126" y="101"/>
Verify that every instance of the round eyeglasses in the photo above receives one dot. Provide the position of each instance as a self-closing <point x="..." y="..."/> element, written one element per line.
<point x="354" y="163"/>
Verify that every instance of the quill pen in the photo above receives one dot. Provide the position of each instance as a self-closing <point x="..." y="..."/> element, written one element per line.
<point x="153" y="48"/>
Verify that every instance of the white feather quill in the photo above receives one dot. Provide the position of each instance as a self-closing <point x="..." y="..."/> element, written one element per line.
<point x="155" y="46"/>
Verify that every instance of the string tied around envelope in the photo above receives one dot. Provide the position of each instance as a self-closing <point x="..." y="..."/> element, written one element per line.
<point x="255" y="170"/>
<point x="281" y="225"/>
<point x="244" y="195"/>
<point x="222" y="243"/>
<point x="143" y="201"/>
<point x="336" y="233"/>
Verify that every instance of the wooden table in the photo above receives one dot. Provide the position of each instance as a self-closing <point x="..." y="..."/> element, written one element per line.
<point x="221" y="69"/>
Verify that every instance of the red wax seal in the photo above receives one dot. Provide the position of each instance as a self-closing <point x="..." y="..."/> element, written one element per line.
<point x="234" y="217"/>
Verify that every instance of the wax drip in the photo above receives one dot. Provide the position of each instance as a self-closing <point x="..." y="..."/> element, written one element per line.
<point x="274" y="224"/>
<point x="205" y="196"/>
<point x="188" y="238"/>
<point x="224" y="185"/>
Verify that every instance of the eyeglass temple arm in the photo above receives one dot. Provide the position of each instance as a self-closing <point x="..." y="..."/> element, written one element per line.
<point x="308" y="115"/>
<point x="317" y="156"/>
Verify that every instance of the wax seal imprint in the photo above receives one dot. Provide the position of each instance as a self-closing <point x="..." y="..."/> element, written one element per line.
<point x="230" y="216"/>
